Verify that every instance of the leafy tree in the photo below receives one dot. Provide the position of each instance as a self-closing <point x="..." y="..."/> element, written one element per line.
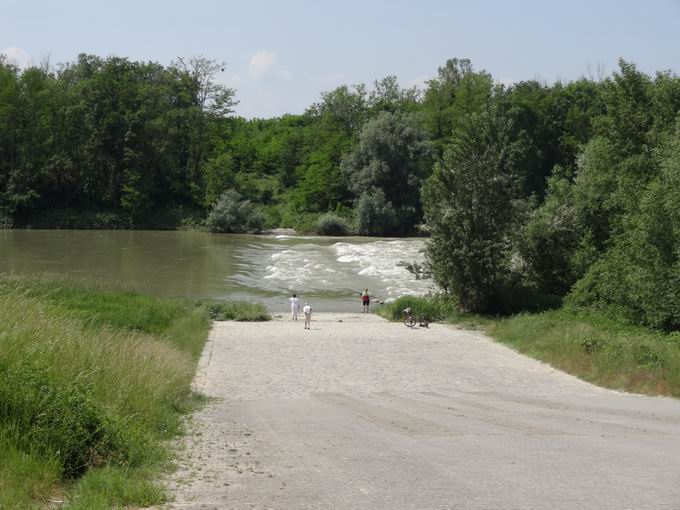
<point x="470" y="214"/>
<point x="457" y="91"/>
<point x="219" y="176"/>
<point x="387" y="95"/>
<point x="392" y="157"/>
<point x="375" y="216"/>
<point x="549" y="241"/>
<point x="233" y="215"/>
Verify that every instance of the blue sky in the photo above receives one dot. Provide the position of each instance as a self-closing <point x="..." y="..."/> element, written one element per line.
<point x="281" y="55"/>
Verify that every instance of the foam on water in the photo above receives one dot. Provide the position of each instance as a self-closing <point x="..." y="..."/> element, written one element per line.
<point x="330" y="268"/>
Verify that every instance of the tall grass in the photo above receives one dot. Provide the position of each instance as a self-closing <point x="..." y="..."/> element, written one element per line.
<point x="91" y="382"/>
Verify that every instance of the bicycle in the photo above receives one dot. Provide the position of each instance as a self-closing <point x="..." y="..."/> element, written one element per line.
<point x="410" y="320"/>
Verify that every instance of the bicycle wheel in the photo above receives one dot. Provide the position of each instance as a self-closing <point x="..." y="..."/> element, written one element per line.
<point x="410" y="321"/>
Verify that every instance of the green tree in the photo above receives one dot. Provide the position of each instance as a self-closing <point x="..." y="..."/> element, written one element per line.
<point x="392" y="157"/>
<point x="375" y="216"/>
<point x="470" y="214"/>
<point x="233" y="215"/>
<point x="457" y="91"/>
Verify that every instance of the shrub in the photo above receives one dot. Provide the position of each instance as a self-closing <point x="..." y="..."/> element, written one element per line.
<point x="430" y="308"/>
<point x="332" y="225"/>
<point x="5" y="221"/>
<point x="375" y="216"/>
<point x="233" y="215"/>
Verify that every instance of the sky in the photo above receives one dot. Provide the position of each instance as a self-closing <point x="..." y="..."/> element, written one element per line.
<point x="280" y="55"/>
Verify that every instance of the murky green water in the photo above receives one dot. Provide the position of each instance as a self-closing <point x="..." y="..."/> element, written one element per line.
<point x="328" y="272"/>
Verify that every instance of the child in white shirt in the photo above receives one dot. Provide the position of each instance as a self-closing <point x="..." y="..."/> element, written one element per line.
<point x="308" y="316"/>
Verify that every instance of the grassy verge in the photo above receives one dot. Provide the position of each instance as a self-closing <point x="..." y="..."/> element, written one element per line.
<point x="238" y="311"/>
<point x="588" y="345"/>
<point x="91" y="384"/>
<point x="597" y="349"/>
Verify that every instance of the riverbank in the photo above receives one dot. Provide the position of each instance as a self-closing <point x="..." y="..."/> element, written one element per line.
<point x="93" y="383"/>
<point x="583" y="343"/>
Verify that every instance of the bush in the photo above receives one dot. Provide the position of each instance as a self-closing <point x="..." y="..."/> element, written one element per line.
<point x="332" y="225"/>
<point x="233" y="215"/>
<point x="637" y="278"/>
<point x="238" y="311"/>
<point x="431" y="308"/>
<point x="375" y="216"/>
<point x="5" y="221"/>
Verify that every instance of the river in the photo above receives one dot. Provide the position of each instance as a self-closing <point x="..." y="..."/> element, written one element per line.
<point x="329" y="272"/>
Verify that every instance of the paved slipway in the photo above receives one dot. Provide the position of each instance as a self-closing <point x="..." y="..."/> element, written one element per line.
<point x="359" y="413"/>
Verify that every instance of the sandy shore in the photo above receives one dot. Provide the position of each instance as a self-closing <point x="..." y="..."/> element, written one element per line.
<point x="360" y="413"/>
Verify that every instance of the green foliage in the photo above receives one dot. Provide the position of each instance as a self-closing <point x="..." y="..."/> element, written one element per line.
<point x="219" y="175"/>
<point x="375" y="216"/>
<point x="107" y="135"/>
<point x="550" y="239"/>
<point x="238" y="311"/>
<point x="91" y="379"/>
<point x="455" y="93"/>
<point x="330" y="224"/>
<point x="628" y="200"/>
<point x="233" y="215"/>
<point x="432" y="308"/>
<point x="392" y="159"/>
<point x="470" y="214"/>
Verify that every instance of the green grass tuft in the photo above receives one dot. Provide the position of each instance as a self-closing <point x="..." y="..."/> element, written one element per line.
<point x="238" y="311"/>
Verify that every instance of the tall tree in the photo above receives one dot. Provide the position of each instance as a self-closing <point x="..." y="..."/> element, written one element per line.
<point x="393" y="157"/>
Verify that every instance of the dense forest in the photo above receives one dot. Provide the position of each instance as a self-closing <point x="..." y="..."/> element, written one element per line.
<point x="528" y="191"/>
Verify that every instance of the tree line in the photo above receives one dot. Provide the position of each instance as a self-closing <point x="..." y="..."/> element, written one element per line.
<point x="527" y="191"/>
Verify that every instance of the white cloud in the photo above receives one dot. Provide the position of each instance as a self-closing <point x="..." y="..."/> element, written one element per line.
<point x="260" y="63"/>
<point x="17" y="56"/>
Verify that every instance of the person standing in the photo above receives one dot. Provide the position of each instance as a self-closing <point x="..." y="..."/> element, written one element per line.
<point x="307" y="310"/>
<point x="365" y="301"/>
<point x="295" y="306"/>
